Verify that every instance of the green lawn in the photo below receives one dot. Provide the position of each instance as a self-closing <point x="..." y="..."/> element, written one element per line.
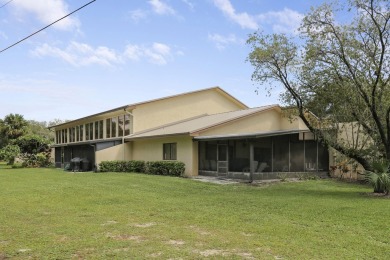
<point x="52" y="214"/>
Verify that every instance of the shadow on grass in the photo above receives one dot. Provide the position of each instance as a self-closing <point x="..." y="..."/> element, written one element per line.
<point x="320" y="189"/>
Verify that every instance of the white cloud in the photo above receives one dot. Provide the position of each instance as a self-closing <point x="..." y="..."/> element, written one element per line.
<point x="48" y="11"/>
<point x="189" y="4"/>
<point x="285" y="21"/>
<point x="137" y="15"/>
<point x="245" y="20"/>
<point x="161" y="8"/>
<point x="80" y="54"/>
<point x="222" y="42"/>
<point x="158" y="53"/>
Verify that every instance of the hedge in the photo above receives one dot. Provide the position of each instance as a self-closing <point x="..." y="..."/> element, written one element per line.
<point x="155" y="168"/>
<point x="122" y="166"/>
<point x="165" y="168"/>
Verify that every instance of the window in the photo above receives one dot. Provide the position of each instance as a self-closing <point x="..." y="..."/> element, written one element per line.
<point x="169" y="151"/>
<point x="64" y="135"/>
<point x="101" y="129"/>
<point x="89" y="131"/>
<point x="58" y="137"/>
<point x="72" y="134"/>
<point x="128" y="126"/>
<point x="108" y="128"/>
<point x="113" y="126"/>
<point x="81" y="133"/>
<point x="77" y="133"/>
<point x="97" y="130"/>
<point x="121" y="126"/>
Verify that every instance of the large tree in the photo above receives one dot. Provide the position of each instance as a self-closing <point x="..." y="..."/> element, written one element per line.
<point x="337" y="70"/>
<point x="12" y="127"/>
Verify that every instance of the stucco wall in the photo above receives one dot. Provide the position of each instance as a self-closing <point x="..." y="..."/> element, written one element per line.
<point x="114" y="153"/>
<point x="169" y="110"/>
<point x="152" y="150"/>
<point x="270" y="120"/>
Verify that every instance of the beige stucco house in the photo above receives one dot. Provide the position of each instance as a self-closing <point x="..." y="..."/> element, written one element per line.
<point x="209" y="130"/>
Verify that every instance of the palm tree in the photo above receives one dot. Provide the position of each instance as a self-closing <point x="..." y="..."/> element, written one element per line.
<point x="13" y="126"/>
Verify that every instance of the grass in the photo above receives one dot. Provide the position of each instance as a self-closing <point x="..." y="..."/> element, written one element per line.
<point x="52" y="214"/>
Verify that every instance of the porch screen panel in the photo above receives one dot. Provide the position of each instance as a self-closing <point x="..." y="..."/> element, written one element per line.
<point x="208" y="156"/>
<point x="296" y="154"/>
<point x="238" y="155"/>
<point x="310" y="156"/>
<point x="263" y="154"/>
<point x="281" y="154"/>
<point x="323" y="158"/>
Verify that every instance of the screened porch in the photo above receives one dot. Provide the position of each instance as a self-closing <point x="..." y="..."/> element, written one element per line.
<point x="263" y="157"/>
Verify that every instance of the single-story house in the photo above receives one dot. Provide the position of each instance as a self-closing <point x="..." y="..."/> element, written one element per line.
<point x="209" y="130"/>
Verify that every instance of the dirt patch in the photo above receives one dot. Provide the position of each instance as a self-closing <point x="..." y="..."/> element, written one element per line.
<point x="176" y="242"/>
<point x="24" y="250"/>
<point x="63" y="238"/>
<point x="155" y="255"/>
<point x="247" y="234"/>
<point x="145" y="225"/>
<point x="125" y="249"/>
<point x="200" y="231"/>
<point x="109" y="222"/>
<point x="216" y="253"/>
<point x="213" y="252"/>
<point x="125" y="237"/>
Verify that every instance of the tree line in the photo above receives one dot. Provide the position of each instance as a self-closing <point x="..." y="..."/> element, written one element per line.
<point x="27" y="140"/>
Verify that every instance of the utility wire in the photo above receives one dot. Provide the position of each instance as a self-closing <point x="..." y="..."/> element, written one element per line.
<point x="6" y="3"/>
<point x="46" y="26"/>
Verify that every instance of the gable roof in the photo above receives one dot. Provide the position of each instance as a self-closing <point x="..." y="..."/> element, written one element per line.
<point x="134" y="105"/>
<point x="195" y="125"/>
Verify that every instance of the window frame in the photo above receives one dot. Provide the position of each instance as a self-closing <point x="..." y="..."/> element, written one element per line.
<point x="169" y="151"/>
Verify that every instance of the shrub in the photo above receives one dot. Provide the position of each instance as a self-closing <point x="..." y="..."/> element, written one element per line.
<point x="9" y="153"/>
<point x="282" y="176"/>
<point x="379" y="178"/>
<point x="155" y="168"/>
<point x="36" y="160"/>
<point x="122" y="166"/>
<point x="165" y="168"/>
<point x="135" y="166"/>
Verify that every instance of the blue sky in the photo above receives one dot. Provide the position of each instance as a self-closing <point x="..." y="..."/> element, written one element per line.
<point x="113" y="53"/>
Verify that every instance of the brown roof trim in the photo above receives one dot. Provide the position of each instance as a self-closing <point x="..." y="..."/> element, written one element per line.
<point x="250" y="135"/>
<point x="129" y="138"/>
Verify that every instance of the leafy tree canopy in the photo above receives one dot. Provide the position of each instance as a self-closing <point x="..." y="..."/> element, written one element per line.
<point x="13" y="126"/>
<point x="339" y="71"/>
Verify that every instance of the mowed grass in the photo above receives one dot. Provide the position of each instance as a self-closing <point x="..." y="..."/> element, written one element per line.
<point x="52" y="214"/>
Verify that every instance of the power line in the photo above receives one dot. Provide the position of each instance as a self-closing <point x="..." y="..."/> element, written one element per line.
<point x="46" y="26"/>
<point x="6" y="3"/>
